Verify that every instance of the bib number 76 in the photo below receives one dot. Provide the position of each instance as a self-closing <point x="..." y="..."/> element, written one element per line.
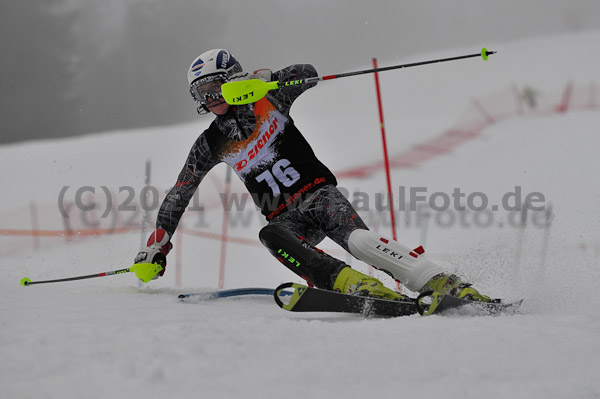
<point x="282" y="173"/>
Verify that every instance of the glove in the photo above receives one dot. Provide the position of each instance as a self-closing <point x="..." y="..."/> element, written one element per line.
<point x="157" y="248"/>
<point x="262" y="74"/>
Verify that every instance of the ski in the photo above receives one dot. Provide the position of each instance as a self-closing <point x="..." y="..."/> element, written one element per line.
<point x="434" y="303"/>
<point x="309" y="299"/>
<point x="202" y="296"/>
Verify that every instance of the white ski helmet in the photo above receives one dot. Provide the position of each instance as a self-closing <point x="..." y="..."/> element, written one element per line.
<point x="217" y="62"/>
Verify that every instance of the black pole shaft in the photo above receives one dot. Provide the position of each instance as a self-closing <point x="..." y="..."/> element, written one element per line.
<point x="382" y="69"/>
<point x="27" y="283"/>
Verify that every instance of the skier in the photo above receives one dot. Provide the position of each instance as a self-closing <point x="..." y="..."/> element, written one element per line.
<point x="295" y="192"/>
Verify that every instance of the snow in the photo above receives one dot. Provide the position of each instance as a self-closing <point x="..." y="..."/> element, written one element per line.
<point x="110" y="338"/>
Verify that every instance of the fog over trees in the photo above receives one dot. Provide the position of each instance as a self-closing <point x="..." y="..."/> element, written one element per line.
<point x="72" y="67"/>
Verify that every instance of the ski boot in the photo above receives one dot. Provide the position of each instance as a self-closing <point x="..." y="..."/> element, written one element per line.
<point x="349" y="281"/>
<point x="451" y="284"/>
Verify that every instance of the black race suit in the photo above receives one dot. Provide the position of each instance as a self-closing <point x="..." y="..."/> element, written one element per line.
<point x="294" y="190"/>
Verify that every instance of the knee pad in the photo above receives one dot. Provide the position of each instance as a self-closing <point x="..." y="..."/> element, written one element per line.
<point x="410" y="267"/>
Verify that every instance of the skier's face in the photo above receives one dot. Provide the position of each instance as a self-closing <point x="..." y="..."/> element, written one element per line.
<point x="209" y="94"/>
<point x="217" y="106"/>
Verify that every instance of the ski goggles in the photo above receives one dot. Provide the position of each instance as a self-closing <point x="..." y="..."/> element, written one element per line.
<point x="206" y="89"/>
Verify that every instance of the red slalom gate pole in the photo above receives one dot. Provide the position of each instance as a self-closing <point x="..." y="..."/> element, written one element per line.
<point x="224" y="237"/>
<point x="178" y="256"/>
<point x="385" y="150"/>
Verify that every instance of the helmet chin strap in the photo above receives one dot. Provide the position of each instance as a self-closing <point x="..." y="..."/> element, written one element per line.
<point x="203" y="109"/>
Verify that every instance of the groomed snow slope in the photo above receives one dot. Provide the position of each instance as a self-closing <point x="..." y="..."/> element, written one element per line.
<point x="109" y="338"/>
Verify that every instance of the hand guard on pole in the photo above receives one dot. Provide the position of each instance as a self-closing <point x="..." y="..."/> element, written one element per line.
<point x="157" y="248"/>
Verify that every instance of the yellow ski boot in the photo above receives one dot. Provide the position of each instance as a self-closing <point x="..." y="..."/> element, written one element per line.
<point x="349" y="281"/>
<point x="450" y="284"/>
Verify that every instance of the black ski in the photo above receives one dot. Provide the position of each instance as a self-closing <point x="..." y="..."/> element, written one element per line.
<point x="435" y="302"/>
<point x="308" y="299"/>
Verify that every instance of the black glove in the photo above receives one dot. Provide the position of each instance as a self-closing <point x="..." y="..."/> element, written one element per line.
<point x="262" y="74"/>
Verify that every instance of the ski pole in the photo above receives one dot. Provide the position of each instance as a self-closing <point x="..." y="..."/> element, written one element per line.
<point x="251" y="90"/>
<point x="143" y="271"/>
